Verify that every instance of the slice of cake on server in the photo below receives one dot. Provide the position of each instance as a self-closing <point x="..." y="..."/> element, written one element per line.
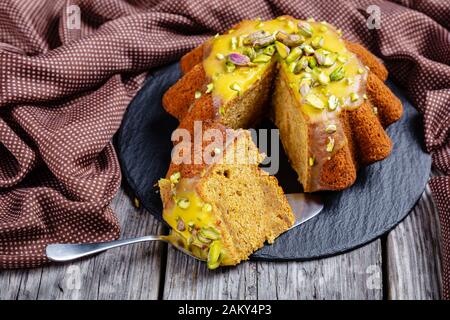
<point x="224" y="209"/>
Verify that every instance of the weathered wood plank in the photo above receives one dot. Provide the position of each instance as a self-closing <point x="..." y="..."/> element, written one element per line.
<point x="413" y="254"/>
<point x="354" y="275"/>
<point x="125" y="273"/>
<point x="187" y="278"/>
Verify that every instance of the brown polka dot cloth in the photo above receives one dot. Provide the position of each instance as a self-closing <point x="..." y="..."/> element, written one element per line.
<point x="68" y="70"/>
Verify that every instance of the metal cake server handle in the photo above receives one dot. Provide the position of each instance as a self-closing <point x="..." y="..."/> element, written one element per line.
<point x="304" y="206"/>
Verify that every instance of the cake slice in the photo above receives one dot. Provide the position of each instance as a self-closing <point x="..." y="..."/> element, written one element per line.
<point x="225" y="210"/>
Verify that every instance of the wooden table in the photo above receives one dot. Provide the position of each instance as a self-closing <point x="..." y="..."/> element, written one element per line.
<point x="404" y="264"/>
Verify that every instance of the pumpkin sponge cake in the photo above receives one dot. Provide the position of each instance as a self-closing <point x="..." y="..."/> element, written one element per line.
<point x="224" y="211"/>
<point x="325" y="94"/>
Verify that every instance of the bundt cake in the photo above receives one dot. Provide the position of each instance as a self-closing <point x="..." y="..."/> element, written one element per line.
<point x="325" y="94"/>
<point x="224" y="210"/>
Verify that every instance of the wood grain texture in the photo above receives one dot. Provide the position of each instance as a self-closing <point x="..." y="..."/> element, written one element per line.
<point x="413" y="254"/>
<point x="412" y="268"/>
<point x="131" y="272"/>
<point x="354" y="275"/>
<point x="190" y="279"/>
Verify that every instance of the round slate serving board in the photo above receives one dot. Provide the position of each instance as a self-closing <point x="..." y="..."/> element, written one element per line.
<point x="382" y="196"/>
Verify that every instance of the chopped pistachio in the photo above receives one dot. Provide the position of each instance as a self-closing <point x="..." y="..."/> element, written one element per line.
<point x="305" y="29"/>
<point x="281" y="36"/>
<point x="307" y="76"/>
<point x="292" y="66"/>
<point x="264" y="42"/>
<point x="308" y="50"/>
<point x="304" y="88"/>
<point x="202" y="239"/>
<point x="233" y="43"/>
<point x="197" y="94"/>
<point x="229" y="66"/>
<point x="222" y="110"/>
<point x="354" y="97"/>
<point x="175" y="177"/>
<point x="291" y="25"/>
<point x="349" y="81"/>
<point x="333" y="102"/>
<point x="269" y="50"/>
<point x="294" y="55"/>
<point x="301" y="64"/>
<point x="311" y="161"/>
<point x="136" y="202"/>
<point x="323" y="78"/>
<point x="312" y="62"/>
<point x="314" y="101"/>
<point x="249" y="52"/>
<point x="253" y="37"/>
<point x="262" y="58"/>
<point x="209" y="233"/>
<point x="209" y="87"/>
<point x="360" y="70"/>
<point x="238" y="59"/>
<point x="317" y="42"/>
<point x="183" y="203"/>
<point x="331" y="128"/>
<point x="220" y="56"/>
<point x="329" y="60"/>
<point x="342" y="59"/>
<point x="337" y="74"/>
<point x="259" y="39"/>
<point x="214" y="254"/>
<point x="291" y="40"/>
<point x="282" y="49"/>
<point x="325" y="58"/>
<point x="236" y="87"/>
<point x="330" y="144"/>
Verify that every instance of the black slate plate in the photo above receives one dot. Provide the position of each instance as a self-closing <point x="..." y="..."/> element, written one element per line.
<point x="382" y="196"/>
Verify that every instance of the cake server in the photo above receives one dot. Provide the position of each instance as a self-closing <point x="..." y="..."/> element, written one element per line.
<point x="304" y="206"/>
